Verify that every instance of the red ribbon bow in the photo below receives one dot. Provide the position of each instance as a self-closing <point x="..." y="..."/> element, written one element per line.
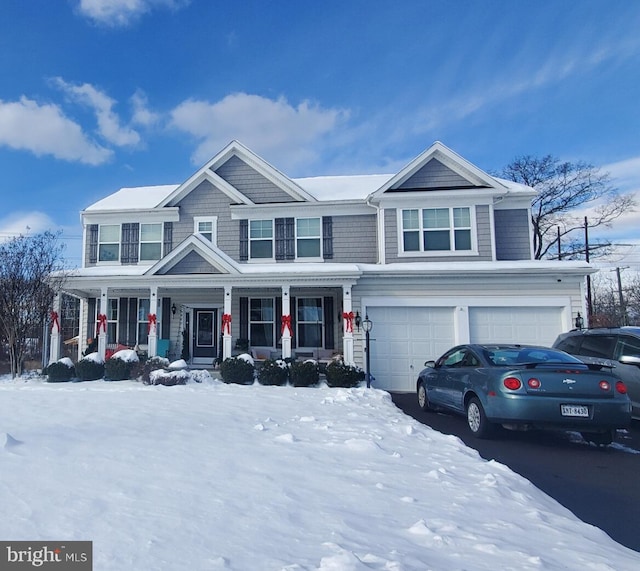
<point x="348" y="317"/>
<point x="286" y="324"/>
<point x="226" y="322"/>
<point x="102" y="322"/>
<point x="152" y="321"/>
<point x="54" y="321"/>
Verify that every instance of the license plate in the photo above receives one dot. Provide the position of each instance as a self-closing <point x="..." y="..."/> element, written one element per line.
<point x="574" y="410"/>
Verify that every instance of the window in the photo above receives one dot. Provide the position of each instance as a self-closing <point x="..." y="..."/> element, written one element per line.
<point x="109" y="243"/>
<point x="112" y="319"/>
<point x="143" y="320"/>
<point x="628" y="346"/>
<point x="261" y="322"/>
<point x="601" y="346"/>
<point x="206" y="227"/>
<point x="436" y="229"/>
<point x="309" y="322"/>
<point x="150" y="241"/>
<point x="261" y="239"/>
<point x="308" y="237"/>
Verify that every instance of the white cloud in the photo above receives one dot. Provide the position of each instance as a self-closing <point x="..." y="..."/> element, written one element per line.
<point x="142" y="115"/>
<point x="117" y="13"/>
<point x="283" y="133"/>
<point x="44" y="130"/>
<point x="24" y="223"/>
<point x="108" y="121"/>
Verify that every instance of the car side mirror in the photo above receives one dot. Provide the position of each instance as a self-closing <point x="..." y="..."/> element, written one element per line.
<point x="430" y="364"/>
<point x="630" y="360"/>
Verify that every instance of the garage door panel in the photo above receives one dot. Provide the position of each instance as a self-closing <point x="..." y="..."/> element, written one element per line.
<point x="535" y="325"/>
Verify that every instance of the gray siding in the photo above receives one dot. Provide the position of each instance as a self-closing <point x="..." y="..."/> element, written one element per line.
<point x="192" y="263"/>
<point x="251" y="183"/>
<point x="483" y="228"/>
<point x="435" y="175"/>
<point x="512" y="234"/>
<point x="355" y="239"/>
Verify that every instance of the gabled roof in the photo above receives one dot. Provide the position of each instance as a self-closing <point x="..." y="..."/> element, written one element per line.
<point x="234" y="148"/>
<point x="449" y="158"/>
<point x="195" y="243"/>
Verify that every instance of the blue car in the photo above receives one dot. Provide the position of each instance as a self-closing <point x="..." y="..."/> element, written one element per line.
<point x="522" y="387"/>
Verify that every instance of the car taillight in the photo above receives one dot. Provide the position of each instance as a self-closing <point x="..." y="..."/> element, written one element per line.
<point x="512" y="383"/>
<point x="604" y="385"/>
<point x="534" y="383"/>
<point x="621" y="388"/>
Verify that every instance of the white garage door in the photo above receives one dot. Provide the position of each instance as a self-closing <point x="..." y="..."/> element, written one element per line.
<point x="535" y="325"/>
<point x="402" y="339"/>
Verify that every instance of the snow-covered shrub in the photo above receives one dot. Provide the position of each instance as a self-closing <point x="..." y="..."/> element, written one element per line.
<point x="273" y="372"/>
<point x="60" y="371"/>
<point x="120" y="365"/>
<point x="90" y="368"/>
<point x="153" y="364"/>
<point x="304" y="373"/>
<point x="341" y="375"/>
<point x="169" y="378"/>
<point x="238" y="370"/>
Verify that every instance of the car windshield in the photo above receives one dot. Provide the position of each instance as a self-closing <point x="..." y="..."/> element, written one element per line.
<point x="501" y="356"/>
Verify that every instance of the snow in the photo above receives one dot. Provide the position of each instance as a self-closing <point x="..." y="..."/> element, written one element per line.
<point x="209" y="476"/>
<point x="141" y="197"/>
<point x="345" y="187"/>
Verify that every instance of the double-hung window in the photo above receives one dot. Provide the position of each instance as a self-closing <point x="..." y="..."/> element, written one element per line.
<point x="309" y="322"/>
<point x="260" y="239"/>
<point x="206" y="227"/>
<point x="436" y="230"/>
<point x="150" y="241"/>
<point x="262" y="322"/>
<point x="109" y="243"/>
<point x="308" y="238"/>
<point x="143" y="320"/>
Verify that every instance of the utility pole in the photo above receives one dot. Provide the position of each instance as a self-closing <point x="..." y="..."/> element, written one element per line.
<point x="623" y="309"/>
<point x="586" y="249"/>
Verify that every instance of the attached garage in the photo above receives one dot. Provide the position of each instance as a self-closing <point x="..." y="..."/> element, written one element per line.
<point x="535" y="325"/>
<point x="404" y="338"/>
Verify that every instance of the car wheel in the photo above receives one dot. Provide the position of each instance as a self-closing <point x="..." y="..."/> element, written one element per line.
<point x="477" y="420"/>
<point x="599" y="438"/>
<point x="423" y="398"/>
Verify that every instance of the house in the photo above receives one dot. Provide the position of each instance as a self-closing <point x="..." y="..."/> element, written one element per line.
<point x="436" y="254"/>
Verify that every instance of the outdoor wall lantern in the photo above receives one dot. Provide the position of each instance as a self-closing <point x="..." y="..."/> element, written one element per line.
<point x="358" y="320"/>
<point x="579" y="321"/>
<point x="173" y="309"/>
<point x="367" y="326"/>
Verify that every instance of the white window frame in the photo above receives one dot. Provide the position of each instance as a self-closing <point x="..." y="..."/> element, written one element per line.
<point x="213" y="220"/>
<point x="451" y="228"/>
<point x="141" y="241"/>
<point x="142" y="320"/>
<point x="262" y="239"/>
<point x="105" y="243"/>
<point x="318" y="238"/>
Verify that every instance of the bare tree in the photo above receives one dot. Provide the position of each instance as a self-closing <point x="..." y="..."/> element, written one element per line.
<point x="30" y="274"/>
<point x="564" y="187"/>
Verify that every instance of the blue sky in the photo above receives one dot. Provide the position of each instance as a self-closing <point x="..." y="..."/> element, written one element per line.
<point x="96" y="95"/>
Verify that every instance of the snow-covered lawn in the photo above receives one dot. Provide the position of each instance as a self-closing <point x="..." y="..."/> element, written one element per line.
<point x="210" y="476"/>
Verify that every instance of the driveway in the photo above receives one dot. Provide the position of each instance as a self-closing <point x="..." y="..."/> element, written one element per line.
<point x="599" y="485"/>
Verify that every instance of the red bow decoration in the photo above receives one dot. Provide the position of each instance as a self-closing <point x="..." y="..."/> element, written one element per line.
<point x="152" y="321"/>
<point x="286" y="324"/>
<point x="102" y="322"/>
<point x="55" y="324"/>
<point x="348" y="317"/>
<point x="226" y="322"/>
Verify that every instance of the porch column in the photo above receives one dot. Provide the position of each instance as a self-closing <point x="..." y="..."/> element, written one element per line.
<point x="152" y="341"/>
<point x="286" y="323"/>
<point x="83" y="332"/>
<point x="102" y="324"/>
<point x="54" y="342"/>
<point x="226" y="324"/>
<point x="347" y="326"/>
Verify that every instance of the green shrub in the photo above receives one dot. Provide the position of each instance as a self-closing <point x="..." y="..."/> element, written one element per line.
<point x="89" y="370"/>
<point x="153" y="364"/>
<point x="340" y="375"/>
<point x="273" y="372"/>
<point x="304" y="373"/>
<point x="116" y="369"/>
<point x="59" y="372"/>
<point x="237" y="370"/>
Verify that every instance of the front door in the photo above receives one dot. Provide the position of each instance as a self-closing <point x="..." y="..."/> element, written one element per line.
<point x="204" y="336"/>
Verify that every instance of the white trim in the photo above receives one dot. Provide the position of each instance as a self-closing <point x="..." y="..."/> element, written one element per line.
<point x="214" y="227"/>
<point x="167" y="214"/>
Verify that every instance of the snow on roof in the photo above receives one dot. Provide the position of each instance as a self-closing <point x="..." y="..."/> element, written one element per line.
<point x="141" y="197"/>
<point x="342" y="187"/>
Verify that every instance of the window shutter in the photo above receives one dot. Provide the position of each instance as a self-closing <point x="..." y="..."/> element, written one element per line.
<point x="130" y="239"/>
<point x="278" y="321"/>
<point x="280" y="239"/>
<point x="93" y="243"/>
<point x="135" y="242"/>
<point x="244" y="240"/>
<point x="166" y="317"/>
<point x="292" y="307"/>
<point x="290" y="238"/>
<point x="167" y="242"/>
<point x="327" y="237"/>
<point x="329" y="341"/>
<point x="92" y="327"/>
<point x="122" y="320"/>
<point x="244" y="318"/>
<point x="132" y="330"/>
